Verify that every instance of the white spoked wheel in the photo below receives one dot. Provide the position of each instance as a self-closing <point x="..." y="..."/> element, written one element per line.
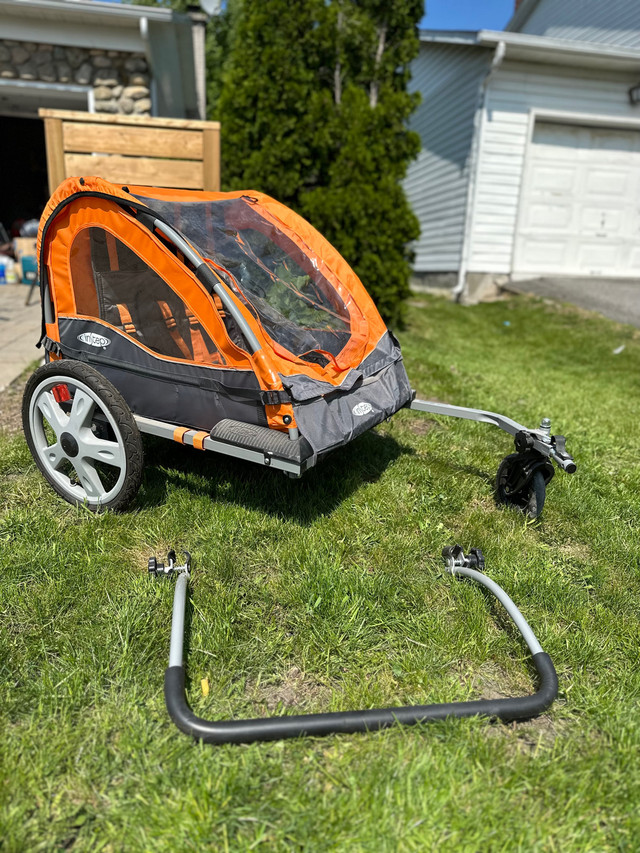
<point x="82" y="435"/>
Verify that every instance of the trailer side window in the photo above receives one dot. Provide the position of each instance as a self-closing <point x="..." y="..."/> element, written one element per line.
<point x="130" y="295"/>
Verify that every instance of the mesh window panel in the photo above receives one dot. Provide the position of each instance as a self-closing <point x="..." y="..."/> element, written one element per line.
<point x="129" y="295"/>
<point x="297" y="305"/>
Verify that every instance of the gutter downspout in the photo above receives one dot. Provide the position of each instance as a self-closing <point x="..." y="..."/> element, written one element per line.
<point x="478" y="122"/>
<point x="153" y="86"/>
<point x="198" y="36"/>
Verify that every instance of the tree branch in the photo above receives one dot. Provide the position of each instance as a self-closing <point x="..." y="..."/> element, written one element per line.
<point x="337" y="71"/>
<point x="374" y="86"/>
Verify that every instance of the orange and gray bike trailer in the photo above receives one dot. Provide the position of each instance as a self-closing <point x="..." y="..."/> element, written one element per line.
<point x="222" y="321"/>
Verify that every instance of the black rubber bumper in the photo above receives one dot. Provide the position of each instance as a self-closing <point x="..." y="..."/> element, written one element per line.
<point x="347" y="722"/>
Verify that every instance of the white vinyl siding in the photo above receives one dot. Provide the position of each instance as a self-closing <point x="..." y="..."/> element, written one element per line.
<point x="607" y="21"/>
<point x="514" y="91"/>
<point x="448" y="78"/>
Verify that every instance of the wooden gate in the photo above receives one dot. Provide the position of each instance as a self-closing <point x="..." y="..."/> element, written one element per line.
<point x="161" y="152"/>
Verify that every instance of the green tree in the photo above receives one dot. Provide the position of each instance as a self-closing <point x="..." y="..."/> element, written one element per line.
<point x="312" y="97"/>
<point x="266" y="85"/>
<point x="358" y="201"/>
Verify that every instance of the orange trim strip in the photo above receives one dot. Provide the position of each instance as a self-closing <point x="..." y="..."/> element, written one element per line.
<point x="200" y="351"/>
<point x="178" y="434"/>
<point x="198" y="440"/>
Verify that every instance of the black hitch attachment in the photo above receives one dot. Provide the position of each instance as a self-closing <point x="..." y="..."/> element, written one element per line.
<point x="523" y="476"/>
<point x="160" y="570"/>
<point x="347" y="722"/>
<point x="545" y="446"/>
<point x="455" y="558"/>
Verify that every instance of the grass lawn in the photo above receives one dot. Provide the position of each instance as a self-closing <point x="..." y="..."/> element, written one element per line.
<point x="328" y="593"/>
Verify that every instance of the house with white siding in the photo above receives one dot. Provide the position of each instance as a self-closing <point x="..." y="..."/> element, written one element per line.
<point x="530" y="160"/>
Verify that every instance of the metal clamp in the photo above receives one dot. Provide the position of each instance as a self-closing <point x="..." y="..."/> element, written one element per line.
<point x="160" y="570"/>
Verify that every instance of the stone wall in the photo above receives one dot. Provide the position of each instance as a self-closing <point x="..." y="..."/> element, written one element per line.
<point x="120" y="80"/>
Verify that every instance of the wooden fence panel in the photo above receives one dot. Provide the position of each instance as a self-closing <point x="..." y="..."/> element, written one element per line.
<point x="176" y="153"/>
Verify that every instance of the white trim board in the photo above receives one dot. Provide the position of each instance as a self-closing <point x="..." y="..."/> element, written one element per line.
<point x="47" y="94"/>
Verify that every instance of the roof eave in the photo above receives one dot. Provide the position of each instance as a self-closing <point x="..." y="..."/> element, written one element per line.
<point x="115" y="13"/>
<point x="540" y="49"/>
<point x="561" y="51"/>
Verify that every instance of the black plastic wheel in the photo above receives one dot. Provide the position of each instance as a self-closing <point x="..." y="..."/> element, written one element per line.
<point x="528" y="499"/>
<point x="82" y="436"/>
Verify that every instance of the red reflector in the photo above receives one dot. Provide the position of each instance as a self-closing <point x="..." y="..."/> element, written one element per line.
<point x="61" y="393"/>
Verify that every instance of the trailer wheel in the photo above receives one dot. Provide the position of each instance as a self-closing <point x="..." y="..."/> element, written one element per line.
<point x="528" y="499"/>
<point x="82" y="436"/>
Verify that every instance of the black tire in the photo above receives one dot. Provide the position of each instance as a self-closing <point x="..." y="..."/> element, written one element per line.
<point x="530" y="499"/>
<point x="96" y="458"/>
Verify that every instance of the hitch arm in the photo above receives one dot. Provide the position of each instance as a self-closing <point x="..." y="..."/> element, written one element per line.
<point x="550" y="446"/>
<point x="298" y="725"/>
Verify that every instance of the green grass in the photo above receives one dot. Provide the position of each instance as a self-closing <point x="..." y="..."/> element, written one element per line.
<point x="328" y="593"/>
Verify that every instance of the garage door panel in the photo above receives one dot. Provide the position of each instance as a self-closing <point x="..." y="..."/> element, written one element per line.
<point x="553" y="179"/>
<point x="601" y="220"/>
<point x="545" y="254"/>
<point x="579" y="208"/>
<point x="634" y="260"/>
<point x="545" y="216"/>
<point x="598" y="259"/>
<point x="607" y="182"/>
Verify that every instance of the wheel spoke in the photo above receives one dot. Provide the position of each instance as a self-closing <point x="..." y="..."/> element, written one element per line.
<point x="55" y="456"/>
<point x="52" y="412"/>
<point x="81" y="411"/>
<point x="109" y="452"/>
<point x="89" y="478"/>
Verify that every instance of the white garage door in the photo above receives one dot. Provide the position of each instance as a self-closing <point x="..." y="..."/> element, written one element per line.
<point x="580" y="203"/>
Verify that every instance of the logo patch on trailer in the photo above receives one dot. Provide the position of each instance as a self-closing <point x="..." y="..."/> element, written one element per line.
<point x="362" y="409"/>
<point x="94" y="340"/>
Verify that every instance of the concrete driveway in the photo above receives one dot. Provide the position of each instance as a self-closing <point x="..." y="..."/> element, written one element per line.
<point x="19" y="331"/>
<point x="619" y="300"/>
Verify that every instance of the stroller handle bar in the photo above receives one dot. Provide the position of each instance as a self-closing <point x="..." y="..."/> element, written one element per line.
<point x="298" y="725"/>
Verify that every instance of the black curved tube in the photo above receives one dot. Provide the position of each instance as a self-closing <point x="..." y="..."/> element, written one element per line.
<point x="347" y="722"/>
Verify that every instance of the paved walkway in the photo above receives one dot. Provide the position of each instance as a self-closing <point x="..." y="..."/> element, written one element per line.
<point x="615" y="298"/>
<point x="19" y="331"/>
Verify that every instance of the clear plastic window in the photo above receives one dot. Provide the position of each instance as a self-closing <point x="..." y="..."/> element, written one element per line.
<point x="297" y="305"/>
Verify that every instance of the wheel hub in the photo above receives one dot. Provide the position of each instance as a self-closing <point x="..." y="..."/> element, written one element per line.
<point x="69" y="445"/>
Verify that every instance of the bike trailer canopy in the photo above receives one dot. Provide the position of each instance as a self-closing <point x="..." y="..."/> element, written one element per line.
<point x="203" y="307"/>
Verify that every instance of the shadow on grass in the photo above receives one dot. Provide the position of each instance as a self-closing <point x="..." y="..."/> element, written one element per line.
<point x="318" y="492"/>
<point x="447" y="465"/>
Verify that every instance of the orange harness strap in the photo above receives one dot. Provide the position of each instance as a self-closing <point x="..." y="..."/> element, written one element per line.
<point x="172" y="327"/>
<point x="200" y="351"/>
<point x="112" y="251"/>
<point x="125" y="318"/>
<point x="219" y="306"/>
